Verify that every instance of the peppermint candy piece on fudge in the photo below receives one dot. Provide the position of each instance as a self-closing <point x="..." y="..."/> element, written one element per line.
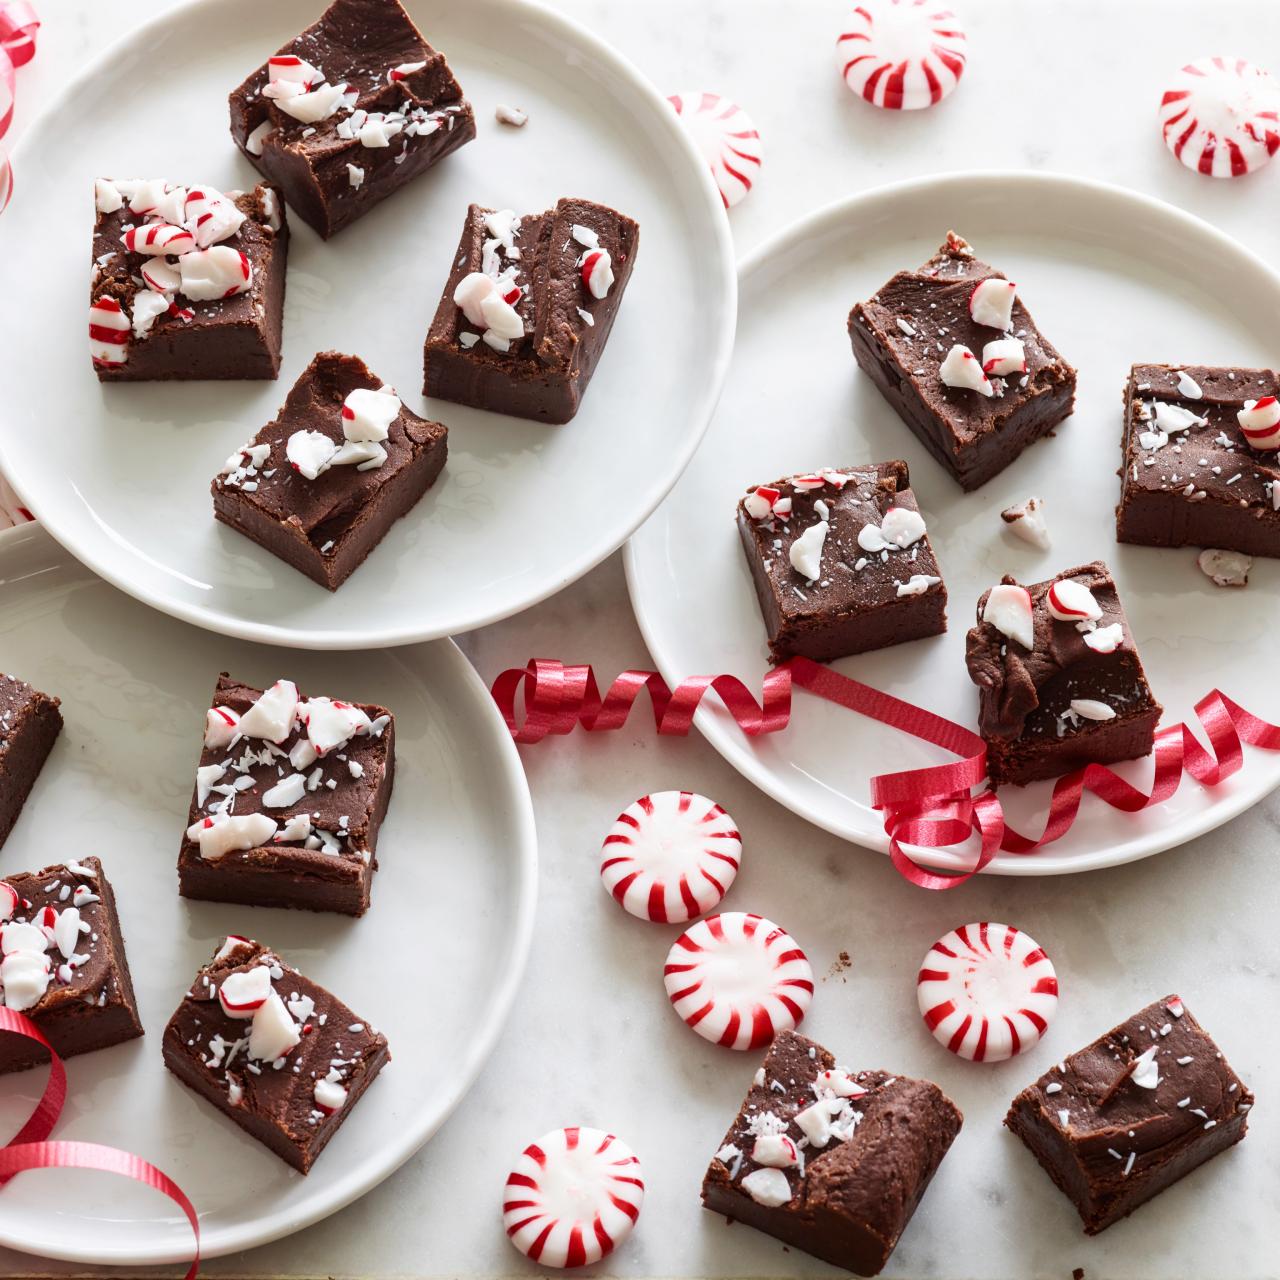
<point x="670" y="856"/>
<point x="727" y="138"/>
<point x="987" y="991"/>
<point x="1008" y="609"/>
<point x="902" y="55"/>
<point x="738" y="980"/>
<point x="1071" y="601"/>
<point x="991" y="303"/>
<point x="573" y="1197"/>
<point x="1260" y="423"/>
<point x="1222" y="117"/>
<point x="963" y="370"/>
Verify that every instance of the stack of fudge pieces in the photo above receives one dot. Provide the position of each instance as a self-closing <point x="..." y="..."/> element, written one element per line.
<point x="189" y="283"/>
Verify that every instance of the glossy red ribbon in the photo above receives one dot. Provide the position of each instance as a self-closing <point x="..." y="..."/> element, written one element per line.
<point x="18" y="28"/>
<point x="29" y="1148"/>
<point x="929" y="808"/>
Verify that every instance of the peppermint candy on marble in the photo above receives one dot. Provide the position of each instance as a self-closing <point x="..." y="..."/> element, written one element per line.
<point x="987" y="991"/>
<point x="727" y="138"/>
<point x="670" y="856"/>
<point x="273" y="714"/>
<point x="218" y="272"/>
<point x="738" y="980"/>
<point x="597" y="273"/>
<point x="158" y="238"/>
<point x="274" y="1032"/>
<point x="805" y="553"/>
<point x="1008" y="609"/>
<point x="1260" y="423"/>
<point x="225" y="833"/>
<point x="1026" y="521"/>
<point x="108" y="332"/>
<point x="1071" y="601"/>
<point x="367" y="414"/>
<point x="991" y="303"/>
<point x="1003" y="357"/>
<point x="902" y="55"/>
<point x="243" y="993"/>
<point x="1225" y="568"/>
<point x="573" y="1196"/>
<point x="1222" y="117"/>
<point x="962" y="370"/>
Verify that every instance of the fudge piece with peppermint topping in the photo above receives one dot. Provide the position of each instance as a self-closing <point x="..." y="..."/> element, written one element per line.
<point x="350" y="111"/>
<point x="30" y="722"/>
<point x="64" y="964"/>
<point x="275" y="1052"/>
<point x="841" y="562"/>
<point x="959" y="358"/>
<point x="1200" y="466"/>
<point x="832" y="1161"/>
<point x="528" y="307"/>
<point x="290" y="793"/>
<point x="1060" y="682"/>
<point x="1130" y="1114"/>
<point x="323" y="483"/>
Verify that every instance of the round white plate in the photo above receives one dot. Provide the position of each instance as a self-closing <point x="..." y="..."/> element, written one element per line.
<point x="434" y="964"/>
<point x="120" y="474"/>
<point x="1112" y="278"/>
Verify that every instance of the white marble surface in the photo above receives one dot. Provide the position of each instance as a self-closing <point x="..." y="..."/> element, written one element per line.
<point x="1070" y="86"/>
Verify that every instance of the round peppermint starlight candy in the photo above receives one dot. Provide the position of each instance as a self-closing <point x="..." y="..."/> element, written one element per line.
<point x="738" y="980"/>
<point x="1222" y="117"/>
<point x="987" y="991"/>
<point x="670" y="856"/>
<point x="573" y="1197"/>
<point x="727" y="138"/>
<point x="901" y="54"/>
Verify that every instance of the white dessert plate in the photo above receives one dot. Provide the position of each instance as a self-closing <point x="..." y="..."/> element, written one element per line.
<point x="434" y="964"/>
<point x="120" y="474"/>
<point x="1112" y="278"/>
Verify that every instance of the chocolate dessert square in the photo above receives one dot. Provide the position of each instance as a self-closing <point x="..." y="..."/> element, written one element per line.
<point x="1060" y="683"/>
<point x="962" y="362"/>
<point x="187" y="283"/>
<point x="29" y="723"/>
<point x="64" y="964"/>
<point x="841" y="562"/>
<point x="290" y="793"/>
<point x="272" y="1050"/>
<point x="831" y="1161"/>
<point x="321" y="484"/>
<point x="350" y="111"/>
<point x="528" y="306"/>
<point x="1126" y="1117"/>
<point x="1200" y="462"/>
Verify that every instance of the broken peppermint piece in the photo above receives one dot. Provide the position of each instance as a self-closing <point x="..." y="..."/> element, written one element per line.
<point x="1003" y="357"/>
<point x="1008" y="609"/>
<point x="597" y="273"/>
<point x="273" y="713"/>
<point x="991" y="302"/>
<point x="219" y="272"/>
<point x="368" y="414"/>
<point x="917" y="584"/>
<point x="244" y="992"/>
<point x="1105" y="639"/>
<point x="1026" y="521"/>
<point x="805" y="552"/>
<point x="1225" y="568"/>
<point x="1070" y="601"/>
<point x="219" y="835"/>
<point x="1260" y="422"/>
<point x="962" y="370"/>
<point x="513" y="116"/>
<point x="1092" y="709"/>
<point x="1172" y="418"/>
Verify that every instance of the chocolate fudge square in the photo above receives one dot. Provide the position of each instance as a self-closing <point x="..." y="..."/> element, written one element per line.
<point x="274" y="1052"/>
<point x="1191" y="476"/>
<point x="841" y="562"/>
<point x="831" y="1161"/>
<point x="64" y="964"/>
<point x="1126" y="1117"/>
<point x="904" y="337"/>
<point x="1075" y="695"/>
<point x="528" y="306"/>
<point x="29" y="724"/>
<point x="187" y="283"/>
<point x="321" y="484"/>
<point x="350" y="111"/>
<point x="290" y="794"/>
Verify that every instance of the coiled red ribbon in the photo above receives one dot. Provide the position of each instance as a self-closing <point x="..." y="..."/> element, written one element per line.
<point x="29" y="1148"/>
<point x="930" y="808"/>
<point x="18" y="28"/>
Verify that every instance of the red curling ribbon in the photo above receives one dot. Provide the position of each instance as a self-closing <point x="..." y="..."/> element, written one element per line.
<point x="29" y="1148"/>
<point x="18" y="28"/>
<point x="929" y="808"/>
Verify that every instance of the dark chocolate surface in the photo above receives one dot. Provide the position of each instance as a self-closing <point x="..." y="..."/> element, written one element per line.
<point x="29" y="725"/>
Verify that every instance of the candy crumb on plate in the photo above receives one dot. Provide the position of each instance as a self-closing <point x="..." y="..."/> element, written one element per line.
<point x="513" y="116"/>
<point x="1026" y="520"/>
<point x="1225" y="568"/>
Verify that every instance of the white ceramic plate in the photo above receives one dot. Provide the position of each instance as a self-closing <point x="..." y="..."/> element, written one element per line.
<point x="434" y="964"/>
<point x="1112" y="278"/>
<point x="120" y="475"/>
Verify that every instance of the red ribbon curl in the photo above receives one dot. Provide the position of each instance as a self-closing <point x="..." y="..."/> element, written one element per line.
<point x="18" y="28"/>
<point x="930" y="808"/>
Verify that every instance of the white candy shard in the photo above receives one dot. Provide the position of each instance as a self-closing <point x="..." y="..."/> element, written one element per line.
<point x="1225" y="568"/>
<point x="147" y="308"/>
<point x="210" y="216"/>
<point x="160" y="275"/>
<point x="962" y="370"/>
<point x="288" y="791"/>
<point x="1003" y="357"/>
<point x="106" y="196"/>
<point x="597" y="273"/>
<point x="253" y="143"/>
<point x="1260" y="423"/>
<point x="510" y="115"/>
<point x="8" y="901"/>
<point x="24" y="976"/>
<point x="22" y="937"/>
<point x="1071" y="601"/>
<point x="274" y="1032"/>
<point x="1105" y="639"/>
<point x="917" y="584"/>
<point x="272" y="716"/>
<point x="219" y="272"/>
<point x="221" y="727"/>
<point x="330" y="1096"/>
<point x="368" y="414"/>
<point x="805" y="552"/>
<point x="310" y="453"/>
<point x="768" y="1187"/>
<point x="1188" y="386"/>
<point x="1172" y="418"/>
<point x="1026" y="521"/>
<point x="207" y="777"/>
<point x="319" y="104"/>
<point x="219" y="835"/>
<point x="1008" y="609"/>
<point x="775" y="1150"/>
<point x="1145" y="1071"/>
<point x="244" y="992"/>
<point x="1091" y="709"/>
<point x="355" y="176"/>
<point x="902" y="526"/>
<point x="991" y="303"/>
<point x="331" y="725"/>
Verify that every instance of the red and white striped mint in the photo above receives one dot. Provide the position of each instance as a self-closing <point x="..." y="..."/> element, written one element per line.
<point x="670" y="856"/>
<point x="963" y="370"/>
<point x="210" y="216"/>
<point x="1260" y="422"/>
<point x="727" y="138"/>
<point x="738" y="980"/>
<point x="597" y="273"/>
<point x="991" y="302"/>
<point x="158" y="238"/>
<point x="244" y="992"/>
<point x="160" y="275"/>
<point x="573" y="1197"/>
<point x="987" y="991"/>
<point x="1008" y="609"/>
<point x="1222" y="117"/>
<point x="108" y="332"/>
<point x="291" y="69"/>
<point x="1071" y="601"/>
<point x="219" y="272"/>
<point x="902" y="54"/>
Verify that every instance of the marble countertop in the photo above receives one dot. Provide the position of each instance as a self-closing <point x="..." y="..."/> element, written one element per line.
<point x="1070" y="87"/>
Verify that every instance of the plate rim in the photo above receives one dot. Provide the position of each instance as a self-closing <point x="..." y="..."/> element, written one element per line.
<point x="701" y="413"/>
<point x="734" y="747"/>
<point x="508" y="774"/>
